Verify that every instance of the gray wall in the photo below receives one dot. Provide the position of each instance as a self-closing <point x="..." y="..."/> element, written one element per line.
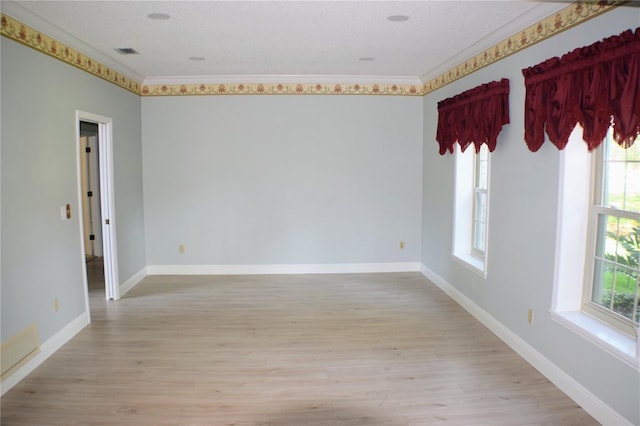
<point x="282" y="179"/>
<point x="41" y="255"/>
<point x="522" y="229"/>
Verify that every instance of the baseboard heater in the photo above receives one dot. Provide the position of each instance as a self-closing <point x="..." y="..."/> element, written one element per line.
<point x="18" y="350"/>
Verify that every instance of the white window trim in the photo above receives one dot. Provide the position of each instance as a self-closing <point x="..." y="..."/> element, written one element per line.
<point x="464" y="212"/>
<point x="616" y="343"/>
<point x="475" y="251"/>
<point x="596" y="209"/>
<point x="574" y="200"/>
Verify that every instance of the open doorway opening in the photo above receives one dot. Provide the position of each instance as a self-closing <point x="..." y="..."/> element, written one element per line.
<point x="91" y="217"/>
<point x="96" y="200"/>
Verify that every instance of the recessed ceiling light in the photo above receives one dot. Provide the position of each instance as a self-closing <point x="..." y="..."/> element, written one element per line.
<point x="126" y="51"/>
<point x="366" y="59"/>
<point x="158" y="16"/>
<point x="197" y="58"/>
<point x="397" y="18"/>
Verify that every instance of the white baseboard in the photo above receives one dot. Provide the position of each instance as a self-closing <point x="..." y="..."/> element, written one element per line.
<point x="46" y="350"/>
<point x="133" y="281"/>
<point x="329" y="268"/>
<point x="597" y="408"/>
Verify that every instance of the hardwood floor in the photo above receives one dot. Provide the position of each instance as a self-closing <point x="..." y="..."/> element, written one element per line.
<point x="352" y="349"/>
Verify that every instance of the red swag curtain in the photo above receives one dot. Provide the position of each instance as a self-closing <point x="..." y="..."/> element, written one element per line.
<point x="475" y="116"/>
<point x="590" y="85"/>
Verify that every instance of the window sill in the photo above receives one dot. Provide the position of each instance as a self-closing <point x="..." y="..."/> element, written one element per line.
<point x="613" y="341"/>
<point x="472" y="263"/>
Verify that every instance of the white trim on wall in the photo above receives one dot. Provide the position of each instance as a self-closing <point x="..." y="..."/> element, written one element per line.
<point x="46" y="350"/>
<point x="597" y="408"/>
<point x="330" y="268"/>
<point x="133" y="281"/>
<point x="63" y="336"/>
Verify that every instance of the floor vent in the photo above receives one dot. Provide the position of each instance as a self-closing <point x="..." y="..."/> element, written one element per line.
<point x="19" y="349"/>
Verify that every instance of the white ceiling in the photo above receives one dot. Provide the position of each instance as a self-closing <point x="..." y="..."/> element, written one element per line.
<point x="276" y="40"/>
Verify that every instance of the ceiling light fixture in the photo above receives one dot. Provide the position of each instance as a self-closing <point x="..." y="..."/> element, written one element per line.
<point x="397" y="18"/>
<point x="197" y="58"/>
<point x="367" y="59"/>
<point x="158" y="16"/>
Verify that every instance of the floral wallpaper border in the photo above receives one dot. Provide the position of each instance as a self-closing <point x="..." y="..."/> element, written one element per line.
<point x="568" y="17"/>
<point x="28" y="36"/>
<point x="282" y="89"/>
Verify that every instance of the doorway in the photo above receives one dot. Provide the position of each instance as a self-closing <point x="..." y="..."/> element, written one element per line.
<point x="96" y="205"/>
<point x="91" y="212"/>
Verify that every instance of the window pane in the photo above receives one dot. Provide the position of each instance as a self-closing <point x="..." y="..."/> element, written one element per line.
<point x="613" y="151"/>
<point x="607" y="236"/>
<point x="625" y="287"/>
<point x="482" y="168"/>
<point x="618" y="240"/>
<point x="628" y="246"/>
<point x="602" y="283"/>
<point x="617" y="290"/>
<point x="479" y="236"/>
<point x="481" y="206"/>
<point x="614" y="180"/>
<point x="616" y="269"/>
<point x="621" y="177"/>
<point x="632" y="199"/>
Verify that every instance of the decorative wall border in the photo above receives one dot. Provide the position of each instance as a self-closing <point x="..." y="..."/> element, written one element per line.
<point x="572" y="15"/>
<point x="282" y="89"/>
<point x="33" y="38"/>
<point x="569" y="17"/>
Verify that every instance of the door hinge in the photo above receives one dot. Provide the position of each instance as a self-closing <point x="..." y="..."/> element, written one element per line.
<point x="106" y="221"/>
<point x="89" y="193"/>
<point x="92" y="237"/>
<point x="87" y="149"/>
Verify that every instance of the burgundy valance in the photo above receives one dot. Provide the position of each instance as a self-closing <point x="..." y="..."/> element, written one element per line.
<point x="595" y="86"/>
<point x="475" y="116"/>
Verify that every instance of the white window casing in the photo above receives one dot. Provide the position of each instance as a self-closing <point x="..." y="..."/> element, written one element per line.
<point x="574" y="246"/>
<point x="471" y="209"/>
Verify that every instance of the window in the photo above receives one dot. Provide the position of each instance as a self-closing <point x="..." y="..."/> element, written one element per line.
<point x="598" y="195"/>
<point x="576" y="237"/>
<point x="471" y="210"/>
<point x="480" y="195"/>
<point x="612" y="268"/>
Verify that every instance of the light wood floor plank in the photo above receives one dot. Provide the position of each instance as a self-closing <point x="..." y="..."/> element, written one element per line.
<point x="349" y="349"/>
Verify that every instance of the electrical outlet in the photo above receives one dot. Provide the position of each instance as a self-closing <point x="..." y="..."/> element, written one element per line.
<point x="181" y="248"/>
<point x="56" y="305"/>
<point x="401" y="245"/>
<point x="530" y="316"/>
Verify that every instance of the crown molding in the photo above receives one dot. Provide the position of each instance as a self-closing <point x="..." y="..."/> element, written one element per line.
<point x="574" y="14"/>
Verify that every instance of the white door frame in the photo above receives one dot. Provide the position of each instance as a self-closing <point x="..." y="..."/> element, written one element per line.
<point x="91" y="205"/>
<point x="109" y="247"/>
